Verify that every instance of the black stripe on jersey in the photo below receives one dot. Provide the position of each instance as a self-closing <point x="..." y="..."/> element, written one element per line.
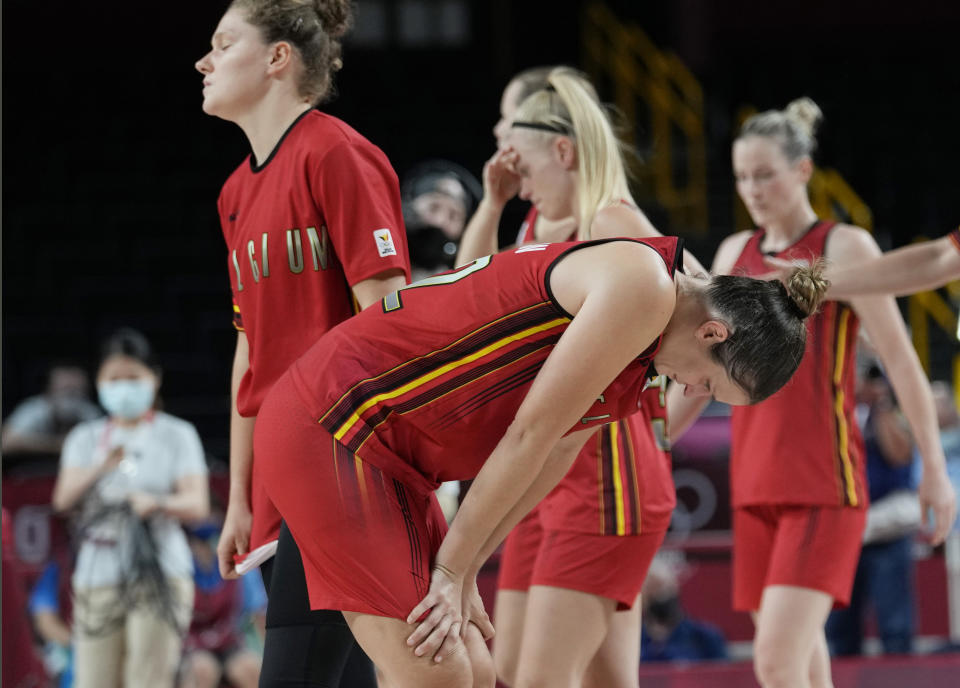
<point x="481" y="397"/>
<point x="677" y="263"/>
<point x="413" y="541"/>
<point x="609" y="512"/>
<point x="433" y="393"/>
<point x="411" y="370"/>
<point x="505" y="386"/>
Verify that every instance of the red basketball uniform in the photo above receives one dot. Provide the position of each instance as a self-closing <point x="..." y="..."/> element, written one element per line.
<point x="403" y="397"/>
<point x="320" y="214"/>
<point x="802" y="447"/>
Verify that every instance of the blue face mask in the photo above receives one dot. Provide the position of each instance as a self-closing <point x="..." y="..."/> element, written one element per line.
<point x="127" y="399"/>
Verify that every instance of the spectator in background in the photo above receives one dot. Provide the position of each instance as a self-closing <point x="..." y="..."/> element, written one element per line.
<point x="438" y="197"/>
<point x="51" y="607"/>
<point x="215" y="647"/>
<point x="667" y="633"/>
<point x="40" y="423"/>
<point x="884" y="577"/>
<point x="135" y="476"/>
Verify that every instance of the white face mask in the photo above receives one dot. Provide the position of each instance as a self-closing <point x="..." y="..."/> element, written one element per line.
<point x="127" y="399"/>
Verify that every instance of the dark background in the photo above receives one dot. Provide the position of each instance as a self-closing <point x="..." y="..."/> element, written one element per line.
<point x="111" y="170"/>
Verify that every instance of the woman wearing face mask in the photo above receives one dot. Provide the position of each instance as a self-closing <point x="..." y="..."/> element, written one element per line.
<point x="797" y="460"/>
<point x="134" y="476"/>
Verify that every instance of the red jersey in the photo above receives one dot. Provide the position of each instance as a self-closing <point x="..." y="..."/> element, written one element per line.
<point x="319" y="215"/>
<point x="621" y="482"/>
<point x="803" y="444"/>
<point x="426" y="385"/>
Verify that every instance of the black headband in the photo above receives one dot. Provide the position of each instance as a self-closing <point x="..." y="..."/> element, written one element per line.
<point x="542" y="127"/>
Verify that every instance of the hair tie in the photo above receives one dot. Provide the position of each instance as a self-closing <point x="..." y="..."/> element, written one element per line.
<point x="792" y="304"/>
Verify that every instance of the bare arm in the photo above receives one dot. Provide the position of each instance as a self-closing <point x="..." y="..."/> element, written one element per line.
<point x="235" y="536"/>
<point x="51" y="627"/>
<point x="906" y="270"/>
<point x="371" y="290"/>
<point x="500" y="184"/>
<point x="558" y="462"/>
<point x="883" y="323"/>
<point x="13" y="441"/>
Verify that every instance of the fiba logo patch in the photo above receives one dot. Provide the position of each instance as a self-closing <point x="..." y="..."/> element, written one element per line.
<point x="385" y="245"/>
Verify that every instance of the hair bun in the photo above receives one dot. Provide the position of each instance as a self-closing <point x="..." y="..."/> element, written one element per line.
<point x="806" y="286"/>
<point x="335" y="16"/>
<point x="805" y="113"/>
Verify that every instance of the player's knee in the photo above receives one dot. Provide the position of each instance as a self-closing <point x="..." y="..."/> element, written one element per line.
<point x="453" y="672"/>
<point x="773" y="670"/>
<point x="484" y="671"/>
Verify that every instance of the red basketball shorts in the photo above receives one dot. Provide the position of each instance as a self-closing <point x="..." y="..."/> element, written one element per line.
<point x="815" y="547"/>
<point x="367" y="540"/>
<point x="520" y="553"/>
<point x="604" y="565"/>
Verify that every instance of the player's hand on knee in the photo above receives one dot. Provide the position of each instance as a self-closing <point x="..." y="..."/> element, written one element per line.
<point x="474" y="612"/>
<point x="438" y="616"/>
<point x="234" y="537"/>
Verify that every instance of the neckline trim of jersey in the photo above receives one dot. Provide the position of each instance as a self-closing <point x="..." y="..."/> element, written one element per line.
<point x="259" y="168"/>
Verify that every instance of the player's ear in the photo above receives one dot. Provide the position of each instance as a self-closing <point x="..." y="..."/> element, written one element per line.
<point x="279" y="57"/>
<point x="566" y="152"/>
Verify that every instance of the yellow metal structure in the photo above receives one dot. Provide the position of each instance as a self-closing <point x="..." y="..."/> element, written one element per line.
<point x="647" y="80"/>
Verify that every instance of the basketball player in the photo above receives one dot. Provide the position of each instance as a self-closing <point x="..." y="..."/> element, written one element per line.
<point x="797" y="460"/>
<point x="559" y="588"/>
<point x="313" y="227"/>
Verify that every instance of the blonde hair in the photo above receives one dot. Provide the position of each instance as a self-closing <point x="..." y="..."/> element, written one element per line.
<point x="793" y="127"/>
<point x="569" y="107"/>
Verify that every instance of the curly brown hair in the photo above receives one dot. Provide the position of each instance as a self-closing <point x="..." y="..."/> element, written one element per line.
<point x="314" y="27"/>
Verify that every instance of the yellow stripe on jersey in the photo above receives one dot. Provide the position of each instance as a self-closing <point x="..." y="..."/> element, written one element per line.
<point x="433" y="374"/>
<point x="617" y="478"/>
<point x="843" y="431"/>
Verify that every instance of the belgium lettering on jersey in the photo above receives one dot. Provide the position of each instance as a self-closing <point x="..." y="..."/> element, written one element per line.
<point x="260" y="265"/>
